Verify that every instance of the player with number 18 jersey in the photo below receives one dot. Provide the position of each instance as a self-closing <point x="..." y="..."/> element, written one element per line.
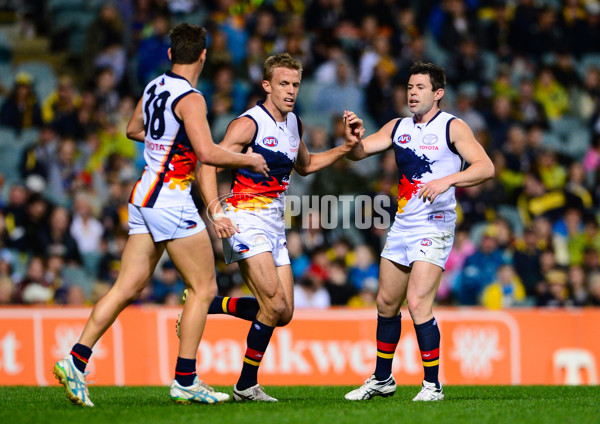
<point x="171" y="161"/>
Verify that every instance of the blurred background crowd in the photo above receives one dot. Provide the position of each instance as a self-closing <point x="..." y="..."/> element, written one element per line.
<point x="524" y="74"/>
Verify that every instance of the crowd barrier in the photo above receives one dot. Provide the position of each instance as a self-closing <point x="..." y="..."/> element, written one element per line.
<point x="331" y="347"/>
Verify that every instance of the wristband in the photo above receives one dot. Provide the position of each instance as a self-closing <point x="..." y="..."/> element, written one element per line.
<point x="218" y="216"/>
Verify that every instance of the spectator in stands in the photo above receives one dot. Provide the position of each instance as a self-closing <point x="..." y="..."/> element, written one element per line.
<point x="564" y="69"/>
<point x="36" y="220"/>
<point x="527" y="110"/>
<point x="226" y="94"/>
<point x="463" y="248"/>
<point x="87" y="231"/>
<point x="21" y="109"/>
<point x="586" y="97"/>
<point x="555" y="292"/>
<point x="63" y="175"/>
<point x="551" y="94"/>
<point x="377" y="54"/>
<point x="110" y="263"/>
<point x="37" y="158"/>
<point x="299" y="259"/>
<point x="499" y="121"/>
<point x="594" y="288"/>
<point x="545" y="34"/>
<point x="572" y="20"/>
<point x="364" y="267"/>
<point x="310" y="292"/>
<point x="479" y="270"/>
<point x="535" y="200"/>
<point x="56" y="239"/>
<point x="459" y="22"/>
<point x="591" y="259"/>
<point x="61" y="107"/>
<point x="526" y="260"/>
<point x="294" y="40"/>
<point x="380" y="95"/>
<point x="553" y="175"/>
<point x="152" y="58"/>
<point x="35" y="288"/>
<point x="106" y="96"/>
<point x="466" y="65"/>
<point x="506" y="291"/>
<point x="465" y="110"/>
<point x="576" y="187"/>
<point x="168" y="287"/>
<point x="7" y="290"/>
<point x="338" y="285"/>
<point x="105" y="32"/>
<point x="578" y="292"/>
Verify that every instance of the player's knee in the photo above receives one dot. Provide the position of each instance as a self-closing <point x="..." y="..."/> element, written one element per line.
<point x="417" y="306"/>
<point x="275" y="310"/>
<point x="386" y="305"/>
<point x="130" y="295"/>
<point x="205" y="292"/>
<point x="285" y="318"/>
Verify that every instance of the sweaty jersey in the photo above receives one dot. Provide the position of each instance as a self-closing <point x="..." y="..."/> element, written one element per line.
<point x="170" y="159"/>
<point x="423" y="153"/>
<point x="278" y="143"/>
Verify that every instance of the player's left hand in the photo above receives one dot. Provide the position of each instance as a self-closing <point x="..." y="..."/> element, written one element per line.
<point x="432" y="189"/>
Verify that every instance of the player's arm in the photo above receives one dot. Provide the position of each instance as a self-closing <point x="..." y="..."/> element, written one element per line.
<point x="480" y="169"/>
<point x="192" y="111"/>
<point x="135" y="126"/>
<point x="371" y="145"/>
<point x="239" y="133"/>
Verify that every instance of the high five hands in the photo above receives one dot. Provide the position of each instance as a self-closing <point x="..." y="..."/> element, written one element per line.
<point x="353" y="128"/>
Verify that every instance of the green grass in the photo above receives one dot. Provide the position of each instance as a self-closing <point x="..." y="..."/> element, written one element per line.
<point x="314" y="405"/>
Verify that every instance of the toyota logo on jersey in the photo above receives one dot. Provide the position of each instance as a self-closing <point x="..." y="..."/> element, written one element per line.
<point x="404" y="138"/>
<point x="426" y="242"/>
<point x="270" y="141"/>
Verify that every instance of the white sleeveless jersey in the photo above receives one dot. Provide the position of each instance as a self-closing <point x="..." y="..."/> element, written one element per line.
<point x="278" y="142"/>
<point x="424" y="153"/>
<point x="170" y="159"/>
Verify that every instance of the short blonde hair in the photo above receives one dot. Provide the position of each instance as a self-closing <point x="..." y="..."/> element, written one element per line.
<point x="283" y="60"/>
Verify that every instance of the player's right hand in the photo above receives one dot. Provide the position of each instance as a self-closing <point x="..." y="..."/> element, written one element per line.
<point x="353" y="128"/>
<point x="258" y="163"/>
<point x="224" y="227"/>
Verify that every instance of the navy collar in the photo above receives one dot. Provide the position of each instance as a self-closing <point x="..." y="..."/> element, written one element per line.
<point x="431" y="120"/>
<point x="261" y="104"/>
<point x="174" y="75"/>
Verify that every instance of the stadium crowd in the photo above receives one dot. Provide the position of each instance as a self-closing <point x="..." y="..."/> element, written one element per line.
<point x="524" y="74"/>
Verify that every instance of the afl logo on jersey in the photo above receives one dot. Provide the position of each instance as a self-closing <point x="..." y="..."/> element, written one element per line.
<point x="426" y="242"/>
<point x="270" y="141"/>
<point x="404" y="138"/>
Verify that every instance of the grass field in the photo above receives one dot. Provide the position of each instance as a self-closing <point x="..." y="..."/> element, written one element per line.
<point x="314" y="405"/>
